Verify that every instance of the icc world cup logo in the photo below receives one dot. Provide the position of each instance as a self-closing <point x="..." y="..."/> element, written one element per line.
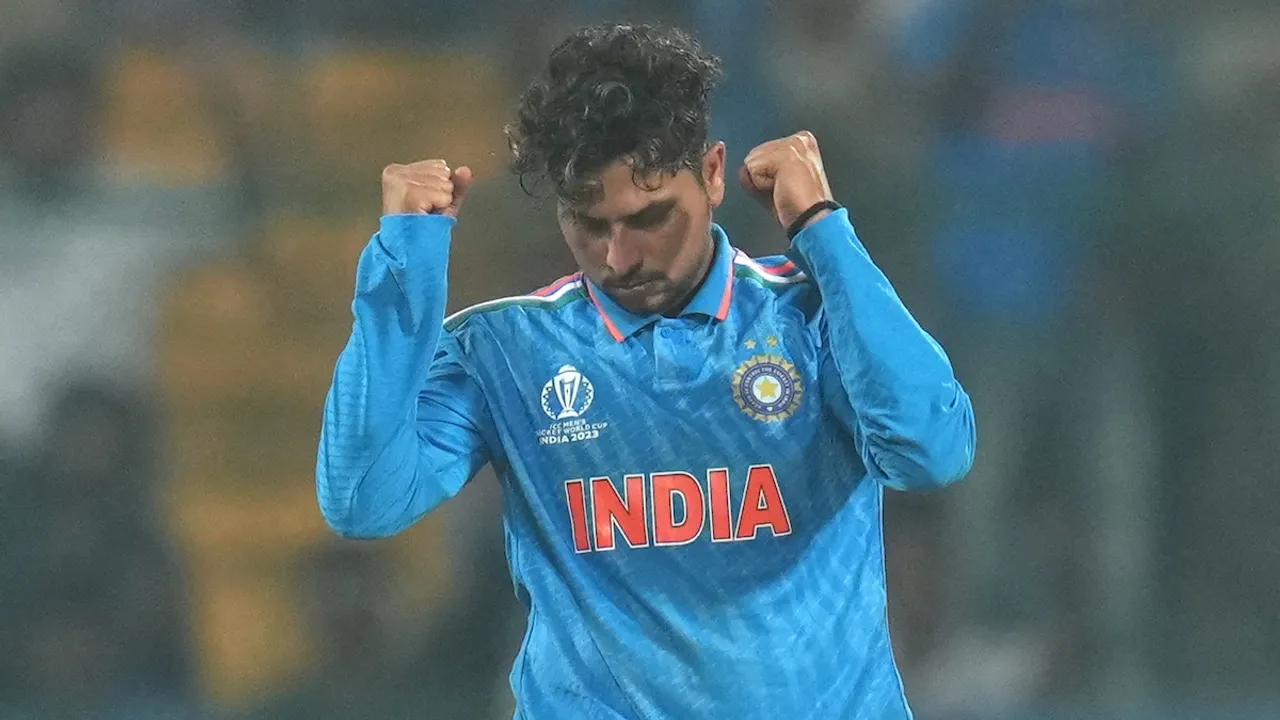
<point x="567" y="395"/>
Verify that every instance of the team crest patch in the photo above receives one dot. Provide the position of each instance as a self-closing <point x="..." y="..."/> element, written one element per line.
<point x="767" y="388"/>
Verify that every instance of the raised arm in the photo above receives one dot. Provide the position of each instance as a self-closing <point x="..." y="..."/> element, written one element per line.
<point x="894" y="388"/>
<point x="405" y="425"/>
<point x="886" y="380"/>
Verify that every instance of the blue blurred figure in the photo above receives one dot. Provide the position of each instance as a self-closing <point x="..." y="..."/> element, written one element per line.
<point x="1035" y="104"/>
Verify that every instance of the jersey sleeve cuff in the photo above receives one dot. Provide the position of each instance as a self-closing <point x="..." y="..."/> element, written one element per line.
<point x="402" y="234"/>
<point x="814" y="244"/>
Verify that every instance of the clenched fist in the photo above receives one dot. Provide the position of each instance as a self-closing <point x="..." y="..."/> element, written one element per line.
<point x="428" y="186"/>
<point x="786" y="176"/>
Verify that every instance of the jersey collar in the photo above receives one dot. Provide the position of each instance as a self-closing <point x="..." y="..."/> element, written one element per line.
<point x="711" y="300"/>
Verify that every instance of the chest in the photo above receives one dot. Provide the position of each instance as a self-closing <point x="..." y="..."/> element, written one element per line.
<point x="687" y="434"/>
<point x="682" y="390"/>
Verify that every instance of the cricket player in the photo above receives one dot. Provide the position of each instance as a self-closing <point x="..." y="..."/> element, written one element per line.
<point x="693" y="444"/>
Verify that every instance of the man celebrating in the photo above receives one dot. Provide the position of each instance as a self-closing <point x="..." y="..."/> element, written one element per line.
<point x="692" y="444"/>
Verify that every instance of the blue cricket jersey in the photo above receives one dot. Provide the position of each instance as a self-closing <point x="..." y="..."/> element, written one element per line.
<point x="693" y="503"/>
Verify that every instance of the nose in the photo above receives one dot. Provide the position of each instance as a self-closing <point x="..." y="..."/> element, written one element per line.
<point x="622" y="256"/>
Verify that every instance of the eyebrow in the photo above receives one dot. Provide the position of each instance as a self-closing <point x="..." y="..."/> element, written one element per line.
<point x="655" y="206"/>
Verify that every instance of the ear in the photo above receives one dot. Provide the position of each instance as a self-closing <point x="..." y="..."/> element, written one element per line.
<point x="713" y="169"/>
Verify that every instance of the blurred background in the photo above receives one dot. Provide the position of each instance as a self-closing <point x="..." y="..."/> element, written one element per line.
<point x="1079" y="198"/>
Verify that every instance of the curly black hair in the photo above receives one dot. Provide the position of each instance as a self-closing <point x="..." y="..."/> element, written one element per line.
<point x="611" y="92"/>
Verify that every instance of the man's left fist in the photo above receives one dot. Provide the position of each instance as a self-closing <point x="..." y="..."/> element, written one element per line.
<point x="786" y="175"/>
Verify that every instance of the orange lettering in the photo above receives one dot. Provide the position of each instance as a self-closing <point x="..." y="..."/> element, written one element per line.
<point x="628" y="515"/>
<point x="721" y="515"/>
<point x="578" y="515"/>
<point x="666" y="531"/>
<point x="762" y="505"/>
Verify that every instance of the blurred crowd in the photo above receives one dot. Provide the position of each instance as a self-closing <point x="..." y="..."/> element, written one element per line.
<point x="1079" y="198"/>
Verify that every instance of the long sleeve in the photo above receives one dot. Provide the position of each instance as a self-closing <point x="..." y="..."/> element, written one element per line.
<point x="885" y="378"/>
<point x="404" y="423"/>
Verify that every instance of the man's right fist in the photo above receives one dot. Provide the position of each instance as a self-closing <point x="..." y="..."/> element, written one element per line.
<point x="428" y="186"/>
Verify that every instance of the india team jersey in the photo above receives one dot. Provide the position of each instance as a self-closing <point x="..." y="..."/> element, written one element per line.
<point x="693" y="503"/>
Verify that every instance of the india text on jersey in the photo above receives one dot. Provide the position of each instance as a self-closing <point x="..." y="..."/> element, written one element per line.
<point x="648" y="502"/>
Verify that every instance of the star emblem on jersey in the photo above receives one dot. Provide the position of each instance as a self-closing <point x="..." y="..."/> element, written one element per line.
<point x="767" y="388"/>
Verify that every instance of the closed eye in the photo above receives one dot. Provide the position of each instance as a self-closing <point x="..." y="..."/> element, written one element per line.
<point x="652" y="216"/>
<point x="592" y="226"/>
<point x="589" y="225"/>
<point x="647" y="218"/>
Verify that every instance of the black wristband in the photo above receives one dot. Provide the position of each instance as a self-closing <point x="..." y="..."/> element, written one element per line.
<point x="798" y="224"/>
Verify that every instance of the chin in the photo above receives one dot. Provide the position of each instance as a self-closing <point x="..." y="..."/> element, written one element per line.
<point x="651" y="305"/>
<point x="667" y="304"/>
<point x="643" y="307"/>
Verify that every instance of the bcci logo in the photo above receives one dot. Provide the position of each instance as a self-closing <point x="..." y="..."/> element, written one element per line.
<point x="567" y="395"/>
<point x="767" y="388"/>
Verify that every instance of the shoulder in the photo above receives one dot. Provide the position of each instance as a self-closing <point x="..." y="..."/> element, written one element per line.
<point x="779" y="281"/>
<point x="776" y="272"/>
<point x="550" y="298"/>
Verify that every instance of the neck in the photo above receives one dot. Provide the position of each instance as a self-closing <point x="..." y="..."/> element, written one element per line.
<point x="702" y="275"/>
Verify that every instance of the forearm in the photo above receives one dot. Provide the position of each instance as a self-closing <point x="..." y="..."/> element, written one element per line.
<point x="915" y="419"/>
<point x="367" y="465"/>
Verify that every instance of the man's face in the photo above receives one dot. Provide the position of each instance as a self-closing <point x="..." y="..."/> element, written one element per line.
<point x="646" y="241"/>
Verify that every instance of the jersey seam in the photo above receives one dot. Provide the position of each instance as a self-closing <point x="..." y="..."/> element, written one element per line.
<point x="528" y="635"/>
<point x="780" y="285"/>
<point x="888" y="632"/>
<point x="468" y="367"/>
<point x="459" y="319"/>
<point x="353" y="498"/>
<point x="604" y="661"/>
